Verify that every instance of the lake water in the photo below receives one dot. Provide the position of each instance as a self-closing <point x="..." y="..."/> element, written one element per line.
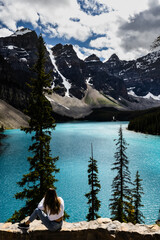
<point x="71" y="142"/>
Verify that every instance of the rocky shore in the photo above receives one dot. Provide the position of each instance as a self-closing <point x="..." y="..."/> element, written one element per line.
<point x="100" y="229"/>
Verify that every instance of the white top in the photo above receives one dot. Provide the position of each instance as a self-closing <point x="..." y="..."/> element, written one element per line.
<point x="53" y="217"/>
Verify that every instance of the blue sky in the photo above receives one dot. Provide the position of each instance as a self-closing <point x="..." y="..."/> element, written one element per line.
<point x="103" y="27"/>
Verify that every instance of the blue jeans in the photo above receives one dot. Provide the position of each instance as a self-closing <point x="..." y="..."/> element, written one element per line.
<point x="51" y="225"/>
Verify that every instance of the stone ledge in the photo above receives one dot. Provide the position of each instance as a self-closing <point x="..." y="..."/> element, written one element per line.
<point x="100" y="229"/>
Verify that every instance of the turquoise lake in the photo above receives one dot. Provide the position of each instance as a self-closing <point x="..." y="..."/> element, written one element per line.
<point x="72" y="143"/>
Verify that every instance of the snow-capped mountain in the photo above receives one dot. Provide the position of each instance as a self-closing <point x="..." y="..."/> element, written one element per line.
<point x="141" y="76"/>
<point x="82" y="85"/>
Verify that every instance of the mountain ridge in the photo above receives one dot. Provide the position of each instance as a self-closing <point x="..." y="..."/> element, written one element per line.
<point x="90" y="83"/>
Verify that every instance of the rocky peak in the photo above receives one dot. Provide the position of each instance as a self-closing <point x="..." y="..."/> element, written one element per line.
<point x="114" y="65"/>
<point x="113" y="57"/>
<point x="19" y="53"/>
<point x="57" y="49"/>
<point x="64" y="50"/>
<point x="92" y="58"/>
<point x="23" y="38"/>
<point x="21" y="31"/>
<point x="70" y="69"/>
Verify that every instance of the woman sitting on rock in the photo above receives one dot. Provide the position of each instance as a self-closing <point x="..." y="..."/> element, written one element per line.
<point x="50" y="211"/>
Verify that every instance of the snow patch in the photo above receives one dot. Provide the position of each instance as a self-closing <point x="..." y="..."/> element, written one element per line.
<point x="11" y="47"/>
<point x="68" y="64"/>
<point x="88" y="81"/>
<point x="132" y="93"/>
<point x="148" y="96"/>
<point x="23" y="60"/>
<point x="66" y="84"/>
<point x="131" y="88"/>
<point x="51" y="100"/>
<point x="138" y="64"/>
<point x="21" y="32"/>
<point x="141" y="65"/>
<point x="121" y="73"/>
<point x="92" y="61"/>
<point x="150" y="58"/>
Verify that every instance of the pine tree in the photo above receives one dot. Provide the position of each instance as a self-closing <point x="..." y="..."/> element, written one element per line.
<point x="120" y="185"/>
<point x="137" y="193"/>
<point x="130" y="210"/>
<point x="2" y="135"/>
<point x="42" y="165"/>
<point x="94" y="203"/>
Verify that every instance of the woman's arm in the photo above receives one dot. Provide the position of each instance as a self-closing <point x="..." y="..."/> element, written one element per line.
<point x="41" y="204"/>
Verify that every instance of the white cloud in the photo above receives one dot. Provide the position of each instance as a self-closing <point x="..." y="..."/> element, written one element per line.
<point x="126" y="8"/>
<point x="79" y="52"/>
<point x="83" y="52"/>
<point x="117" y="26"/>
<point x="12" y="12"/>
<point x="74" y="29"/>
<point x="4" y="32"/>
<point x="101" y="42"/>
<point x="133" y="37"/>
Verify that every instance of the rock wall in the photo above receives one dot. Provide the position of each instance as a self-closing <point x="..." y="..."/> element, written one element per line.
<point x="100" y="229"/>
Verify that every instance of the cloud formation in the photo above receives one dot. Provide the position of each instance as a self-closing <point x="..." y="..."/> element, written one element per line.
<point x="83" y="52"/>
<point x="141" y="30"/>
<point x="123" y="27"/>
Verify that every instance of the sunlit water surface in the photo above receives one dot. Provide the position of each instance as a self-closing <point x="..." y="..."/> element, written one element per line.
<point x="71" y="142"/>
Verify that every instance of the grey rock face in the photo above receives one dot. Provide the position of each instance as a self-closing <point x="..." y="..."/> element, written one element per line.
<point x="70" y="74"/>
<point x="92" y="58"/>
<point x="141" y="75"/>
<point x="71" y="67"/>
<point x="103" y="81"/>
<point x="23" y="38"/>
<point x="18" y="54"/>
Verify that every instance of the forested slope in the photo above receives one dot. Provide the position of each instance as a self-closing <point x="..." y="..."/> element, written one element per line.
<point x="147" y="123"/>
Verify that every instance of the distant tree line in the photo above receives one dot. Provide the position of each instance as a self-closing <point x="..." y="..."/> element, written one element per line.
<point x="147" y="123"/>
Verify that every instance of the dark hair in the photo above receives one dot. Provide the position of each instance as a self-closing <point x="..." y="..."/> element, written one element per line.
<point x="51" y="201"/>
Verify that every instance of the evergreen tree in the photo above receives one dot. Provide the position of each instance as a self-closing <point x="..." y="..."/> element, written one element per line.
<point x="2" y="128"/>
<point x="94" y="203"/>
<point x="130" y="210"/>
<point x="120" y="185"/>
<point x="42" y="165"/>
<point x="137" y="192"/>
<point x="147" y="123"/>
<point x="2" y="135"/>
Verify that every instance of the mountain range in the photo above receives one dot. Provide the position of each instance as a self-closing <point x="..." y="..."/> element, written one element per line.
<point x="81" y="85"/>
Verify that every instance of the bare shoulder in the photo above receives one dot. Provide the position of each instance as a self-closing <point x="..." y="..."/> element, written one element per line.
<point x="60" y="200"/>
